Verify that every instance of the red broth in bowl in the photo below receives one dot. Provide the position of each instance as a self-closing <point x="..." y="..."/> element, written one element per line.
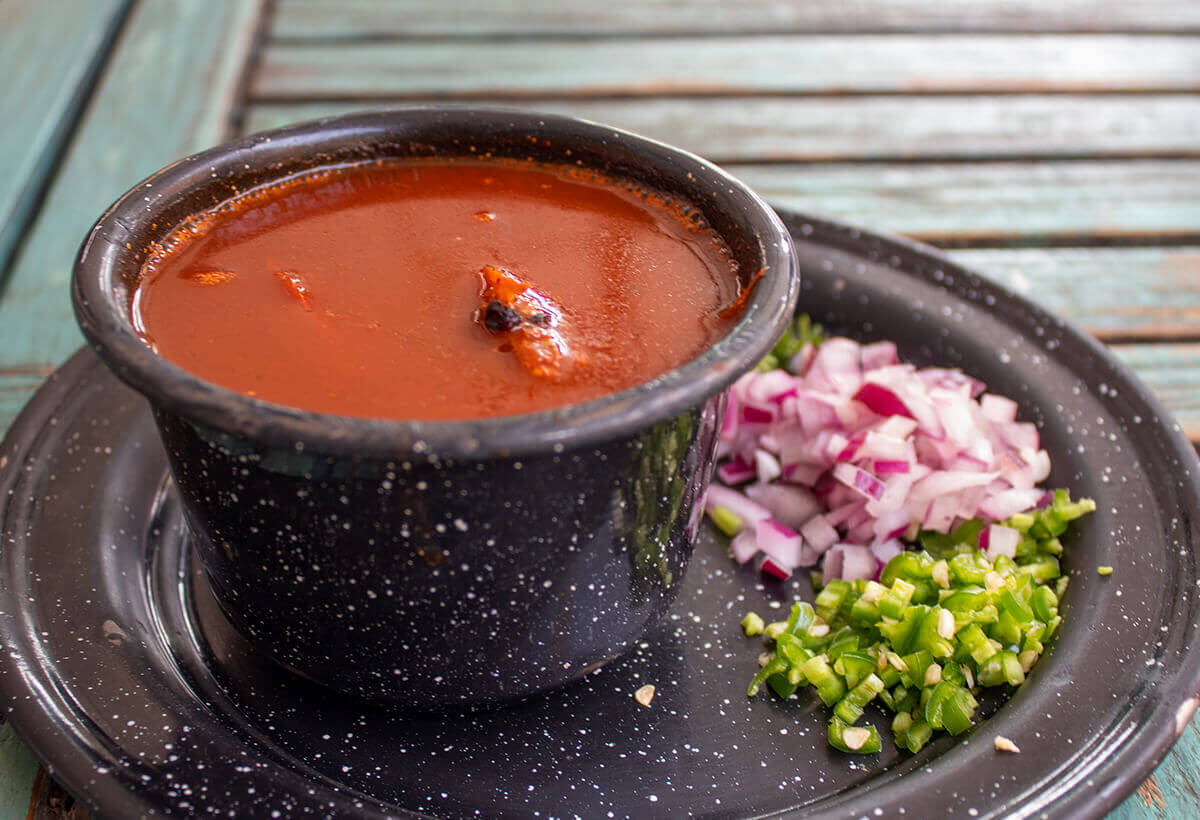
<point x="437" y="290"/>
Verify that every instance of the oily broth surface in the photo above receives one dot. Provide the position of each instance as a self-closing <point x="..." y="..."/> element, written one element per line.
<point x="389" y="256"/>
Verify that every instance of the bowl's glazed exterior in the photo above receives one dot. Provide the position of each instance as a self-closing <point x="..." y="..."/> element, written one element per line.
<point x="438" y="563"/>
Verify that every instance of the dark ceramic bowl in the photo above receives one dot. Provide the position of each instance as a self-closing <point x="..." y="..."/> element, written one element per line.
<point x="438" y="563"/>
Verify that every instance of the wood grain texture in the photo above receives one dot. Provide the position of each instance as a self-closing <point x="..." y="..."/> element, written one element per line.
<point x="1178" y="785"/>
<point x="1172" y="371"/>
<point x="311" y="19"/>
<point x="49" y="55"/>
<point x="991" y="202"/>
<point x="658" y="66"/>
<point x="164" y="95"/>
<point x="166" y="92"/>
<point x="1114" y="293"/>
<point x="790" y="129"/>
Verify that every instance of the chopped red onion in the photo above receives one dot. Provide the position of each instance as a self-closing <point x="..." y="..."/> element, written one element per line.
<point x="735" y="471"/>
<point x="789" y="505"/>
<point x="743" y="546"/>
<point x="736" y="503"/>
<point x="885" y="448"/>
<point x="768" y="566"/>
<point x="859" y="480"/>
<point x="818" y="532"/>
<point x="780" y="542"/>
<point x="1000" y="540"/>
<point x="1008" y="503"/>
<point x="767" y="466"/>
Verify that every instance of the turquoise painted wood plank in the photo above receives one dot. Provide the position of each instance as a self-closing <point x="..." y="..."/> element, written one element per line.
<point x="1173" y="790"/>
<point x="781" y="129"/>
<point x="1114" y="293"/>
<point x="1172" y="371"/>
<point x="166" y="93"/>
<point x="18" y="770"/>
<point x="957" y="203"/>
<point x="49" y="54"/>
<point x="662" y="66"/>
<point x="312" y="19"/>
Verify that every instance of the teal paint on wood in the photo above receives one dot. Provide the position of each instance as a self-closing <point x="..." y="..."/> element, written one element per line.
<point x="49" y="52"/>
<point x="1172" y="371"/>
<point x="18" y="770"/>
<point x="165" y="94"/>
<point x="1111" y="292"/>
<point x="1176" y="787"/>
<point x="978" y="202"/>
<point x="750" y="65"/>
<point x="312" y="19"/>
<point x="783" y="129"/>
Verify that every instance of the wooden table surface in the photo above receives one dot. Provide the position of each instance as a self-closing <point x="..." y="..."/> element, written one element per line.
<point x="1054" y="146"/>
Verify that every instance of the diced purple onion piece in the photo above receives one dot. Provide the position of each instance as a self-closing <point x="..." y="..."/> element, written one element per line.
<point x="736" y="503"/>
<point x="743" y="546"/>
<point x="818" y="533"/>
<point x="1001" y="540"/>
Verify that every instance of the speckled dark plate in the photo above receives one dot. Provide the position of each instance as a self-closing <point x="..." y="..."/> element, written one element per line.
<point x="120" y="673"/>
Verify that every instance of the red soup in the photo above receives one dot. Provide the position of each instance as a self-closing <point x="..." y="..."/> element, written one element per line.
<point x="443" y="290"/>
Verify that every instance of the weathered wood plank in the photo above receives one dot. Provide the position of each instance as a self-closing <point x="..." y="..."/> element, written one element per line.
<point x="989" y="202"/>
<point x="781" y="129"/>
<point x="49" y="55"/>
<point x="1175" y="789"/>
<point x="148" y="110"/>
<point x="735" y="65"/>
<point x="1172" y="371"/>
<point x="311" y="19"/>
<point x="1114" y="293"/>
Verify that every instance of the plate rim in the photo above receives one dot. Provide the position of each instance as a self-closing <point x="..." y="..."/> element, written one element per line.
<point x="1133" y="760"/>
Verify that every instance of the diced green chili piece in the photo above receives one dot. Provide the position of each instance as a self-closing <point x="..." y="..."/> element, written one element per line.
<point x="1011" y="603"/>
<point x="1014" y="672"/>
<point x="1044" y="603"/>
<point x="829" y="600"/>
<point x="900" y="726"/>
<point x="789" y="646"/>
<point x="1006" y="630"/>
<point x="752" y="624"/>
<point x="830" y="687"/>
<point x="782" y="685"/>
<point x="801" y="618"/>
<point x="1042" y="568"/>
<point x="911" y="566"/>
<point x="969" y="568"/>
<point x="975" y="641"/>
<point x="928" y="637"/>
<point x="1060" y="586"/>
<point x="902" y="633"/>
<point x="727" y="520"/>
<point x="917" y="662"/>
<point x="844" y="640"/>
<point x="966" y="600"/>
<point x="862" y="740"/>
<point x="953" y="673"/>
<point x="854" y="666"/>
<point x="776" y="665"/>
<point x="894" y="601"/>
<point x="1003" y="667"/>
<point x="1051" y="627"/>
<point x="850" y="708"/>
<point x="918" y="735"/>
<point x="957" y="709"/>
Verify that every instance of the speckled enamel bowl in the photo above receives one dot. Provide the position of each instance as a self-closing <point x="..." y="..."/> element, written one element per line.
<point x="438" y="563"/>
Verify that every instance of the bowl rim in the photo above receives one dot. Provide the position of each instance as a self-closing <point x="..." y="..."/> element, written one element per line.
<point x="99" y="297"/>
